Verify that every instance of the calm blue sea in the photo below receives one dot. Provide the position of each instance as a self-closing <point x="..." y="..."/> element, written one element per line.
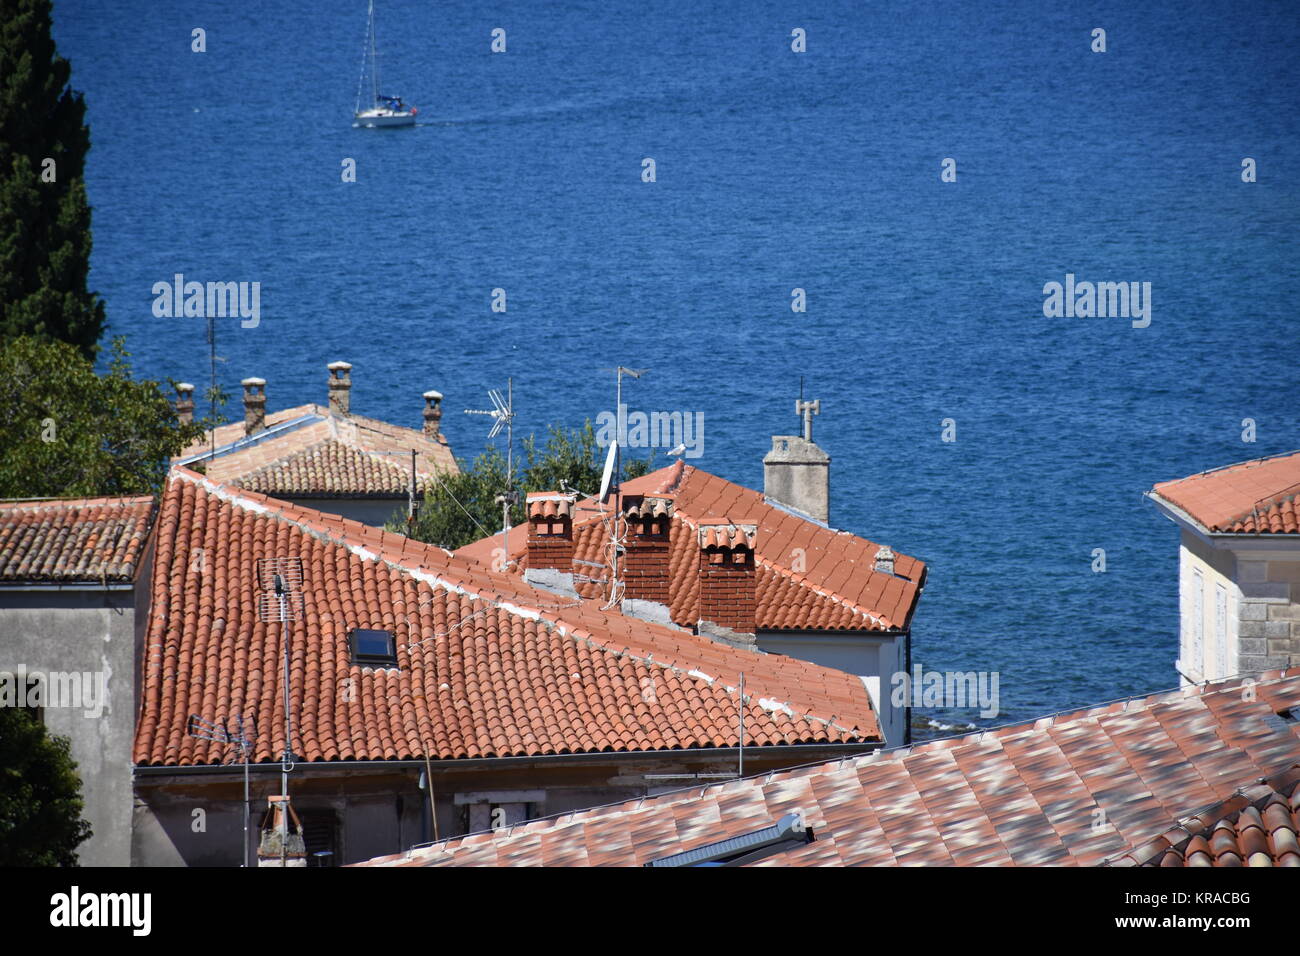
<point x="775" y="170"/>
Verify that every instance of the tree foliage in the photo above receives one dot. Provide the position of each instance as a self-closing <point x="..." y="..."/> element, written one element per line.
<point x="40" y="795"/>
<point x="67" y="432"/>
<point x="45" y="237"/>
<point x="462" y="508"/>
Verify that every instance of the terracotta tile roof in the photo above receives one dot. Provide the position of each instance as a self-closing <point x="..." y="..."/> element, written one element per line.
<point x="809" y="577"/>
<point x="1257" y="827"/>
<point x="1253" y="497"/>
<point x="1081" y="789"/>
<point x="488" y="666"/>
<point x="318" y="454"/>
<point x="81" y="539"/>
<point x="331" y="469"/>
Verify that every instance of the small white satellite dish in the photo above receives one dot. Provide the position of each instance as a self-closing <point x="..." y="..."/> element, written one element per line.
<point x="608" y="476"/>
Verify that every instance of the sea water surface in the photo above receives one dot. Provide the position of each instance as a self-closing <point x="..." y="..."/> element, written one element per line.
<point x="774" y="171"/>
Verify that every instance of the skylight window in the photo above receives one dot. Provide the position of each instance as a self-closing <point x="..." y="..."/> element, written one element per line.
<point x="788" y="832"/>
<point x="373" y="648"/>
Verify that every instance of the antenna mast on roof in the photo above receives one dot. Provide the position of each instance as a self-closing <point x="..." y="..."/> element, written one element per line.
<point x="239" y="732"/>
<point x="503" y="415"/>
<point x="616" y="480"/>
<point x="281" y="600"/>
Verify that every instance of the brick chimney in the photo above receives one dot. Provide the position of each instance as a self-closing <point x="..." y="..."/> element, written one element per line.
<point x="796" y="473"/>
<point x="727" y="579"/>
<point x="432" y="414"/>
<point x="254" y="405"/>
<point x="885" y="560"/>
<point x="550" y="541"/>
<point x="185" y="402"/>
<point x="645" y="562"/>
<point x="340" y="388"/>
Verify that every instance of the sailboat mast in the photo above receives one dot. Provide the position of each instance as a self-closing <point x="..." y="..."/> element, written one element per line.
<point x="374" y="60"/>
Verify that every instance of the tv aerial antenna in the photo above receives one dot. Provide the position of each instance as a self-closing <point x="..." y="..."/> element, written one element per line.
<point x="612" y="479"/>
<point x="281" y="600"/>
<point x="238" y="732"/>
<point x="502" y="414"/>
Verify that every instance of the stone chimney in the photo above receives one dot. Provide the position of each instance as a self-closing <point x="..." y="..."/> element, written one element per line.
<point x="185" y="402"/>
<point x="340" y="388"/>
<point x="432" y="414"/>
<point x="282" y="842"/>
<point x="796" y="473"/>
<point x="550" y="541"/>
<point x="727" y="580"/>
<point x="885" y="560"/>
<point x="254" y="405"/>
<point x="645" y="571"/>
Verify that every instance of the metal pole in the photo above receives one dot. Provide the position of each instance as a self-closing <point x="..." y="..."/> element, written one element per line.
<point x="741" y="748"/>
<point x="428" y="779"/>
<point x="288" y="729"/>
<point x="374" y="58"/>
<point x="246" y="807"/>
<point x="410" y="502"/>
<point x="620" y="426"/>
<point x="510" y="473"/>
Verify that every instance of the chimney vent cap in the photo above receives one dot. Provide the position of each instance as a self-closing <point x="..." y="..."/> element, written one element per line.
<point x="184" y="387"/>
<point x="252" y="382"/>
<point x="433" y="395"/>
<point x="340" y="366"/>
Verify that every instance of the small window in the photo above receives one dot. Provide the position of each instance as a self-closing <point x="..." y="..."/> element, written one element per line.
<point x="373" y="648"/>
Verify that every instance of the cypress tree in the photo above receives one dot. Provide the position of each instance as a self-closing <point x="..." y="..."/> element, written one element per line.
<point x="44" y="218"/>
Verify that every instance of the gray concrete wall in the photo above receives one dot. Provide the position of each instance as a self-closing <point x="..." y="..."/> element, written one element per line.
<point x="84" y="631"/>
<point x="796" y="472"/>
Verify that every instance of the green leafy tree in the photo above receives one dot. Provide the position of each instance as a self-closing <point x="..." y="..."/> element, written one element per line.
<point x="40" y="795"/>
<point x="44" y="216"/>
<point x="66" y="431"/>
<point x="462" y="508"/>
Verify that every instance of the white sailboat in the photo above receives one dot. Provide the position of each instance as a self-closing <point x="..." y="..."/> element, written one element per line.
<point x="384" y="110"/>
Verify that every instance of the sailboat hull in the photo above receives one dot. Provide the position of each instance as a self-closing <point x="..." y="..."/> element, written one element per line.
<point x="384" y="118"/>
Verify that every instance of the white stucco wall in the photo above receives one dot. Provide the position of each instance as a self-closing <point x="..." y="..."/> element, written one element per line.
<point x="870" y="656"/>
<point x="1259" y="578"/>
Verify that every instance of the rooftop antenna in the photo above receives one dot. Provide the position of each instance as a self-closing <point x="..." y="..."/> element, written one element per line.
<point x="240" y="732"/>
<point x="502" y="414"/>
<point x="280" y="581"/>
<point x="741" y="749"/>
<point x="613" y="483"/>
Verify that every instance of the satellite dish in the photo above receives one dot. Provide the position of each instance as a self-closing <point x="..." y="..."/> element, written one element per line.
<point x="608" y="476"/>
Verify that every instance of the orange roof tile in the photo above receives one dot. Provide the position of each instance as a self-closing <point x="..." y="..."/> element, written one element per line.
<point x="1098" y="786"/>
<point x="1259" y="826"/>
<point x="78" y="539"/>
<point x="809" y="577"/>
<point x="488" y="666"/>
<point x="1253" y="497"/>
